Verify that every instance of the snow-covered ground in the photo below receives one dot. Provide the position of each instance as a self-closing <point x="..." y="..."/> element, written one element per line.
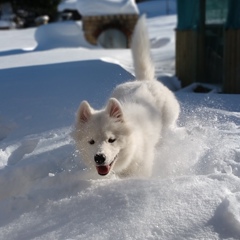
<point x="45" y="73"/>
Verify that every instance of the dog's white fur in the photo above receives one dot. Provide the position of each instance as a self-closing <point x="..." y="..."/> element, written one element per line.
<point x="135" y="118"/>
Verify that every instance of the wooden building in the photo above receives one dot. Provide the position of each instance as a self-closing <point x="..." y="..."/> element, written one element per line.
<point x="105" y="24"/>
<point x="208" y="43"/>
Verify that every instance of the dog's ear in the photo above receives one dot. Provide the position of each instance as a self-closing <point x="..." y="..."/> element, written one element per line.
<point x="84" y="112"/>
<point x="114" y="109"/>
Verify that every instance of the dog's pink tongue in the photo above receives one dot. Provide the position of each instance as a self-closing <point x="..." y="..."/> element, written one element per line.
<point x="103" y="170"/>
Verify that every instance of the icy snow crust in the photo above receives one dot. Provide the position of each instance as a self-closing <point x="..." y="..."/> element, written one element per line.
<point x="44" y="192"/>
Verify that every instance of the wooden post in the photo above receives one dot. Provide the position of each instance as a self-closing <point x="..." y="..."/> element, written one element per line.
<point x="231" y="82"/>
<point x="201" y="66"/>
<point x="190" y="51"/>
<point x="186" y="56"/>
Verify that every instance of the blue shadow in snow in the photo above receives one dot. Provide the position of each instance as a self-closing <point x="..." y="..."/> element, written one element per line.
<point x="49" y="95"/>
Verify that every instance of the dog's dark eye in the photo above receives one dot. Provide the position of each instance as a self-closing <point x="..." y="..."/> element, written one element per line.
<point x="111" y="140"/>
<point x="91" y="142"/>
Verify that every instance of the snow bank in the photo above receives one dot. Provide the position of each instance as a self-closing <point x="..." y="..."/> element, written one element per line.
<point x="66" y="34"/>
<point x="47" y="96"/>
<point x="4" y="24"/>
<point x="181" y="208"/>
<point x="23" y="40"/>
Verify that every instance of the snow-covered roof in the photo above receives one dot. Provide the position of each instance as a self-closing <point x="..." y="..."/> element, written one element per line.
<point x="67" y="4"/>
<point x="103" y="7"/>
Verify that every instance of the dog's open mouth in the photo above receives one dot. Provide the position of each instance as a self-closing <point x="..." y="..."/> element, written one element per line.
<point x="105" y="169"/>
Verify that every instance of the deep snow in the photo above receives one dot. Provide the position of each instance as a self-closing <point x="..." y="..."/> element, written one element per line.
<point x="45" y="73"/>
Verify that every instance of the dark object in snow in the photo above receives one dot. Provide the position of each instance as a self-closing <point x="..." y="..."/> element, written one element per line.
<point x="201" y="89"/>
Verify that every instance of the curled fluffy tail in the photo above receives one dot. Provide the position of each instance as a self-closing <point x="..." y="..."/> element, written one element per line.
<point x="144" y="68"/>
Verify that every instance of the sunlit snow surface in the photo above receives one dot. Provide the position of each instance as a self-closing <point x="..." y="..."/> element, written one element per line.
<point x="44" y="192"/>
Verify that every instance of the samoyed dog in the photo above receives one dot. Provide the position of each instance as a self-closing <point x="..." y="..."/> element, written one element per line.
<point x="120" y="139"/>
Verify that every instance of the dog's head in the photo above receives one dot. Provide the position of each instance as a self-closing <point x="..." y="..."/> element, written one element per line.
<point x="101" y="136"/>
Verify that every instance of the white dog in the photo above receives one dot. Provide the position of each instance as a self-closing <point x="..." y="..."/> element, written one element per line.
<point x="121" y="138"/>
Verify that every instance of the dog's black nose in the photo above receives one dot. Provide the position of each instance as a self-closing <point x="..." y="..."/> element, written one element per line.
<point x="100" y="158"/>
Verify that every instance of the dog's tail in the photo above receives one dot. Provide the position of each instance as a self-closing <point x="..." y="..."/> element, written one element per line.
<point x="143" y="65"/>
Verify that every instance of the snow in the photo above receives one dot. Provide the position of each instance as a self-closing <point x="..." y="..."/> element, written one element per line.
<point x="67" y="4"/>
<point x="96" y="8"/>
<point x="194" y="192"/>
<point x="5" y="24"/>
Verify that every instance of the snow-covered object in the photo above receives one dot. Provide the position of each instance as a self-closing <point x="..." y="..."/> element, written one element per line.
<point x="5" y="24"/>
<point x="103" y="7"/>
<point x="106" y="7"/>
<point x="42" y="20"/>
<point x="67" y="5"/>
<point x="61" y="34"/>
